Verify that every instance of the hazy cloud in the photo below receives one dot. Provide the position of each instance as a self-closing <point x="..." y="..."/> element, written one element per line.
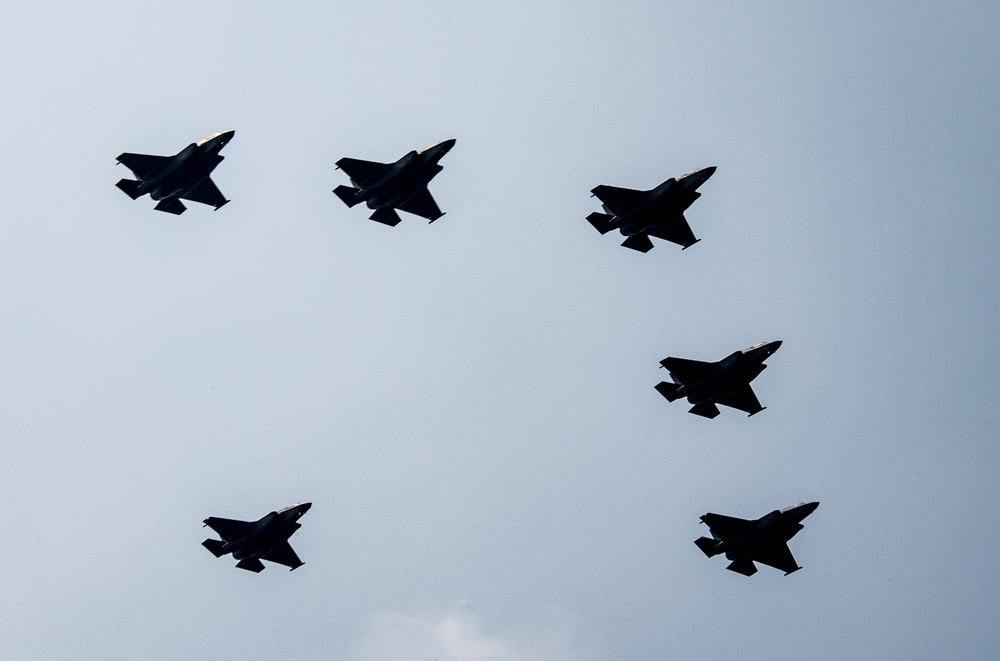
<point x="459" y="635"/>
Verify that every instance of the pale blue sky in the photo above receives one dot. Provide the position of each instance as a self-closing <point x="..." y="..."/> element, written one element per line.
<point x="469" y="404"/>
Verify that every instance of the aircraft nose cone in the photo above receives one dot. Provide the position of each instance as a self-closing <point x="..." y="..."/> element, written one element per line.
<point x="774" y="346"/>
<point x="305" y="507"/>
<point x="810" y="507"/>
<point x="447" y="144"/>
<point x="709" y="171"/>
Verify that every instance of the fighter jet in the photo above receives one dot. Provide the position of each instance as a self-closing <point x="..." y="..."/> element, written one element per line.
<point x="764" y="540"/>
<point x="726" y="382"/>
<point x="402" y="185"/>
<point x="658" y="212"/>
<point x="253" y="541"/>
<point x="185" y="175"/>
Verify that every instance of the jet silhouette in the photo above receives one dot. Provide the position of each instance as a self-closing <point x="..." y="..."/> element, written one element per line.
<point x="726" y="382"/>
<point x="658" y="212"/>
<point x="185" y="175"/>
<point x="386" y="187"/>
<point x="764" y="540"/>
<point x="253" y="541"/>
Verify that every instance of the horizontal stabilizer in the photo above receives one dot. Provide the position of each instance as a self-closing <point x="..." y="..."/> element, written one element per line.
<point x="348" y="195"/>
<point x="705" y="410"/>
<point x="131" y="188"/>
<point x="638" y="242"/>
<point x="668" y="390"/>
<point x="171" y="205"/>
<point x="745" y="567"/>
<point x="386" y="217"/>
<point x="251" y="564"/>
<point x="215" y="546"/>
<point x="602" y="222"/>
<point x="708" y="546"/>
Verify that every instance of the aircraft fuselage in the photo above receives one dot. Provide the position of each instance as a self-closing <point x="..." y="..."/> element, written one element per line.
<point x="732" y="373"/>
<point x="405" y="178"/>
<point x="266" y="534"/>
<point x="187" y="169"/>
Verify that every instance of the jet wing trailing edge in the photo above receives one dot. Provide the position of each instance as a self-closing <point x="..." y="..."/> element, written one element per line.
<point x="283" y="554"/>
<point x="676" y="231"/>
<point x="779" y="557"/>
<point x="206" y="193"/>
<point x="744" y="400"/>
<point x="422" y="204"/>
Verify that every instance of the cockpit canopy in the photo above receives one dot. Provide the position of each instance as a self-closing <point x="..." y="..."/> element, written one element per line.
<point x="755" y="347"/>
<point x="225" y="135"/>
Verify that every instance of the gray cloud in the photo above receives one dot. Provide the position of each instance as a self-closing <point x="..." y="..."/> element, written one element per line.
<point x="460" y="635"/>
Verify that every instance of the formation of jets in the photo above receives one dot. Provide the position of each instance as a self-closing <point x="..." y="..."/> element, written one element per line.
<point x="386" y="189"/>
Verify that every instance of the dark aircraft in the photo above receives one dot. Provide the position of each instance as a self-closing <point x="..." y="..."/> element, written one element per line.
<point x="658" y="212"/>
<point x="253" y="541"/>
<point x="402" y="185"/>
<point x="185" y="175"/>
<point x="726" y="382"/>
<point x="764" y="540"/>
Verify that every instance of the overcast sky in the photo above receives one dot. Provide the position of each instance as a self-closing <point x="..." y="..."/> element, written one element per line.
<point x="469" y="405"/>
